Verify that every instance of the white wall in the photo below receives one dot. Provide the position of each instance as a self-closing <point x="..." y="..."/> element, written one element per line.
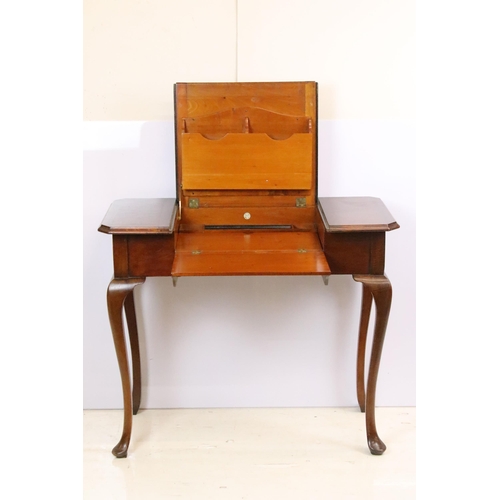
<point x="135" y="50"/>
<point x="250" y="341"/>
<point x="361" y="52"/>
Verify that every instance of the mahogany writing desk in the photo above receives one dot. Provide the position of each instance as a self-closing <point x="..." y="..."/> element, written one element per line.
<point x="247" y="205"/>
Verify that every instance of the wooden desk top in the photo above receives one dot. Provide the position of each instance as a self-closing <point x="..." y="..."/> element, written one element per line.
<point x="140" y="216"/>
<point x="157" y="215"/>
<point x="356" y="213"/>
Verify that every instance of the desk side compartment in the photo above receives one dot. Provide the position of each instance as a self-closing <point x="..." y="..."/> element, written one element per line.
<point x="355" y="253"/>
<point x="352" y="232"/>
<point x="144" y="233"/>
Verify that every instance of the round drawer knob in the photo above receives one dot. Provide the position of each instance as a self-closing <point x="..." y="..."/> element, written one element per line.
<point x="246" y="215"/>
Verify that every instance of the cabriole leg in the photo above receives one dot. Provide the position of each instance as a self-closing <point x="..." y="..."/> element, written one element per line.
<point x="118" y="291"/>
<point x="381" y="290"/>
<point x="366" y="306"/>
<point x="134" y="350"/>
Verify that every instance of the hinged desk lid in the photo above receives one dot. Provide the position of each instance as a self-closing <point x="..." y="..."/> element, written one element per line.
<point x="249" y="148"/>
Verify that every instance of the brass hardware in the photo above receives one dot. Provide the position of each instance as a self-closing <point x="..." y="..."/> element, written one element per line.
<point x="246" y="215"/>
<point x="174" y="280"/>
<point x="325" y="278"/>
<point x="300" y="202"/>
<point x="196" y="252"/>
<point x="193" y="203"/>
<point x="302" y="250"/>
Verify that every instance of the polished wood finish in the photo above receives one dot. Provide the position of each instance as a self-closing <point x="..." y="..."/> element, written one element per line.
<point x="134" y="350"/>
<point x="379" y="287"/>
<point x="356" y="213"/>
<point x="288" y="98"/>
<point x="297" y="217"/>
<point x="150" y="255"/>
<point x="140" y="216"/>
<point x="247" y="161"/>
<point x="355" y="252"/>
<point x="247" y="205"/>
<point x="143" y="236"/>
<point x="247" y="120"/>
<point x="259" y="138"/>
<point x="366" y="307"/>
<point x="244" y="253"/>
<point x="118" y="291"/>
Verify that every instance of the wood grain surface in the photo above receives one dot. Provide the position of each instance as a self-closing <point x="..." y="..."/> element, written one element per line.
<point x="140" y="216"/>
<point x="355" y="213"/>
<point x="227" y="253"/>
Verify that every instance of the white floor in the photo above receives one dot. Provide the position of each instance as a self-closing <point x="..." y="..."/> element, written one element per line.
<point x="299" y="453"/>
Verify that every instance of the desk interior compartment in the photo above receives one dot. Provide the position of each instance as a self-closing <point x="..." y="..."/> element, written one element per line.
<point x="246" y="162"/>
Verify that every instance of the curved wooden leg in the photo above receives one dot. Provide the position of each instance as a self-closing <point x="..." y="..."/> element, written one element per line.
<point x="118" y="290"/>
<point x="134" y="350"/>
<point x="381" y="290"/>
<point x="366" y="306"/>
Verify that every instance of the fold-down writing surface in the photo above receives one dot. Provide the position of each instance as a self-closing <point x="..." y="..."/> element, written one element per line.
<point x="239" y="253"/>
